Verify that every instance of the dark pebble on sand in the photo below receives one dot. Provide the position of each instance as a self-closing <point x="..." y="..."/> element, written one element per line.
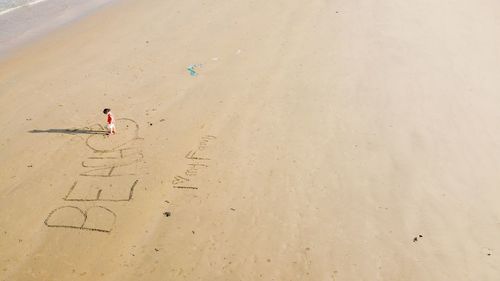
<point x="415" y="239"/>
<point x="167" y="214"/>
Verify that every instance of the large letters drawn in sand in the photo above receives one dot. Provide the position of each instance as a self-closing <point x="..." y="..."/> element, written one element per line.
<point x="108" y="175"/>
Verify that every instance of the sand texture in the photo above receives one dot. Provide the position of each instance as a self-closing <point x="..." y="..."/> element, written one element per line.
<point x="257" y="140"/>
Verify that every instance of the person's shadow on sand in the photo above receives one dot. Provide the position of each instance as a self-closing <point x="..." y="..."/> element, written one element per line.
<point x="70" y="131"/>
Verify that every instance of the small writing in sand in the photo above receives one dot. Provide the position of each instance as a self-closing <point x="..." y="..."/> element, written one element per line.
<point x="198" y="160"/>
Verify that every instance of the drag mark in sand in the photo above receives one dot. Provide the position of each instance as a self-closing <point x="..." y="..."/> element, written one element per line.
<point x="198" y="161"/>
<point x="108" y="176"/>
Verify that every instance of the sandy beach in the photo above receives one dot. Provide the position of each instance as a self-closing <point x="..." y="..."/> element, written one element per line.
<point x="257" y="140"/>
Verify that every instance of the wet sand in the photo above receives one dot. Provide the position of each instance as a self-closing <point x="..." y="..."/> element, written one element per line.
<point x="310" y="140"/>
<point x="21" y="25"/>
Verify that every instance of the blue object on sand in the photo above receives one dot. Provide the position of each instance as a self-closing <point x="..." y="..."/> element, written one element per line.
<point x="191" y="69"/>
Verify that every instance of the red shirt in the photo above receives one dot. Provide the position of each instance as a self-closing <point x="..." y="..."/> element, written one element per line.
<point x="111" y="118"/>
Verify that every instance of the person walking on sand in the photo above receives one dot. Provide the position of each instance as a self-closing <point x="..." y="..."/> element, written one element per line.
<point x="110" y="121"/>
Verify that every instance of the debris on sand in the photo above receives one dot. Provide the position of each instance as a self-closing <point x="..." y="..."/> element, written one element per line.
<point x="192" y="70"/>
<point x="487" y="251"/>
<point x="167" y="214"/>
<point x="415" y="239"/>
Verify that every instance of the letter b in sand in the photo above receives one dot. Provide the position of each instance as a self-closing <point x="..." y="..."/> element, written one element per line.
<point x="95" y="218"/>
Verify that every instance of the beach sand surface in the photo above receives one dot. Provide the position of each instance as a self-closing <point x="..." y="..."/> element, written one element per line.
<point x="316" y="140"/>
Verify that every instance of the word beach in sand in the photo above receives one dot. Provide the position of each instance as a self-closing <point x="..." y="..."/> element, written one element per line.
<point x="108" y="176"/>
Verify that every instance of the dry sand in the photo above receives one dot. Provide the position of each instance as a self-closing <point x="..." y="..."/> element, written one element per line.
<point x="317" y="141"/>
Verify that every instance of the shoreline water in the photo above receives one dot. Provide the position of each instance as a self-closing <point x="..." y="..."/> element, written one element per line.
<point x="21" y="6"/>
<point x="26" y="23"/>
